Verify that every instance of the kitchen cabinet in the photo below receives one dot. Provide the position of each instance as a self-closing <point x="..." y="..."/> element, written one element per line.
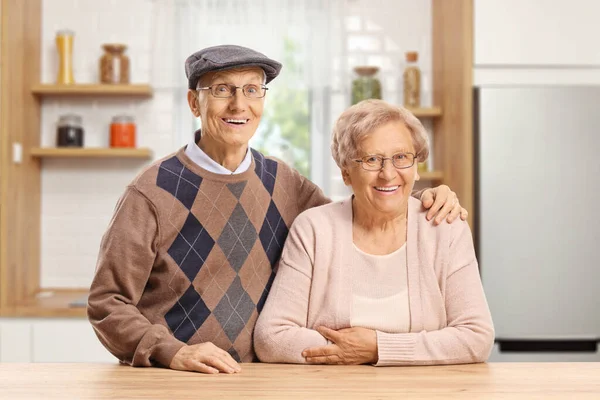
<point x="50" y="340"/>
<point x="536" y="33"/>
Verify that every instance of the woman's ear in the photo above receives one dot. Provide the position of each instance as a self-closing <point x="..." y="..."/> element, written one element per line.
<point x="346" y="177"/>
<point x="417" y="176"/>
<point x="194" y="103"/>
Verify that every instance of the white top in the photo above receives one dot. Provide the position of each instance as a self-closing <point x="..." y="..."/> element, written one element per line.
<point x="198" y="156"/>
<point x="380" y="302"/>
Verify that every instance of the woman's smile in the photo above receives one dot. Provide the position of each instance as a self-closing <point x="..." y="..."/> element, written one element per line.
<point x="386" y="190"/>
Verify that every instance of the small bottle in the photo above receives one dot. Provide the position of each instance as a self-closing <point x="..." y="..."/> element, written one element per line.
<point x="122" y="131"/>
<point x="70" y="131"/>
<point x="64" y="46"/>
<point x="412" y="81"/>
<point x="114" y="64"/>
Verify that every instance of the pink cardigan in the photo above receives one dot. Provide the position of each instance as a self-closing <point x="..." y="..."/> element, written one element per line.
<point x="450" y="322"/>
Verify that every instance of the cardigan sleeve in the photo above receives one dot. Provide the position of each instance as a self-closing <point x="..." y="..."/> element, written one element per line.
<point x="469" y="334"/>
<point x="126" y="258"/>
<point x="281" y="334"/>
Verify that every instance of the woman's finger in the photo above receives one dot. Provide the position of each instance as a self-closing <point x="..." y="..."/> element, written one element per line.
<point x="330" y="334"/>
<point x="321" y="351"/>
<point x="331" y="359"/>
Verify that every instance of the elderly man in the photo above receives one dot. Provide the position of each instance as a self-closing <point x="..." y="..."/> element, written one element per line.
<point x="190" y="254"/>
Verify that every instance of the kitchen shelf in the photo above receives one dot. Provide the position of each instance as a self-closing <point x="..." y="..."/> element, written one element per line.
<point x="51" y="303"/>
<point x="89" y="152"/>
<point x="431" y="175"/>
<point x="137" y="90"/>
<point x="426" y="112"/>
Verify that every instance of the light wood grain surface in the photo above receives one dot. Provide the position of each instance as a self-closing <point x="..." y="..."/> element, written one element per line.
<point x="452" y="63"/>
<point x="270" y="381"/>
<point x="90" y="152"/>
<point x="20" y="49"/>
<point x="92" y="90"/>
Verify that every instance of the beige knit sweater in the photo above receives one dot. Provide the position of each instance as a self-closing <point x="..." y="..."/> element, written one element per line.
<point x="450" y="322"/>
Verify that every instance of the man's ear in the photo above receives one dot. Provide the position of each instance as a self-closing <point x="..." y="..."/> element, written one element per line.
<point x="193" y="102"/>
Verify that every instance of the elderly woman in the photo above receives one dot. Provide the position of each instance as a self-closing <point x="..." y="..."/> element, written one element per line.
<point x="369" y="279"/>
<point x="191" y="252"/>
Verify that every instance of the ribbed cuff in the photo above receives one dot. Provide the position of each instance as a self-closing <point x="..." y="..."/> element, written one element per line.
<point x="164" y="352"/>
<point x="395" y="348"/>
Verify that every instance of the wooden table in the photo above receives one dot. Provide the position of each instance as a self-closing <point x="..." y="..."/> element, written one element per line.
<point x="269" y="381"/>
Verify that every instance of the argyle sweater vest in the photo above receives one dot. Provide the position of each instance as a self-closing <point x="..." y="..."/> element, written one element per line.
<point x="189" y="257"/>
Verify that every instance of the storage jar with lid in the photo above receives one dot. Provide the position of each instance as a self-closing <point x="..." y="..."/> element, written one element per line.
<point x="69" y="132"/>
<point x="366" y="85"/>
<point x="114" y="64"/>
<point x="122" y="131"/>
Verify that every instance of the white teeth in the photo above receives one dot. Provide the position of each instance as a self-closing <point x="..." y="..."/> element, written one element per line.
<point x="386" y="189"/>
<point x="236" y="121"/>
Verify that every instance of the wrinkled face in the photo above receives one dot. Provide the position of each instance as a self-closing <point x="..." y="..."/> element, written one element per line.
<point x="387" y="190"/>
<point x="229" y="121"/>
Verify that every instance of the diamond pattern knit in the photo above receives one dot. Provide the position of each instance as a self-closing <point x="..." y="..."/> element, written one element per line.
<point x="211" y="244"/>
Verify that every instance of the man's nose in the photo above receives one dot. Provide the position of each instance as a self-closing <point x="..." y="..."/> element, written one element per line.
<point x="238" y="100"/>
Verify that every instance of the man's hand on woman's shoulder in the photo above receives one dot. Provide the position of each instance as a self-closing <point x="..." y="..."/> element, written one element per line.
<point x="442" y="201"/>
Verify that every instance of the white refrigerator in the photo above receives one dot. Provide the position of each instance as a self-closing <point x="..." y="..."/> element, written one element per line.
<point x="538" y="219"/>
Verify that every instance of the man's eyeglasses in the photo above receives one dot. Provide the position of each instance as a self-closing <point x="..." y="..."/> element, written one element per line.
<point x="376" y="162"/>
<point x="224" y="90"/>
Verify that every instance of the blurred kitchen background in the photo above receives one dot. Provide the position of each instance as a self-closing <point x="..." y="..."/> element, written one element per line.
<point x="509" y="91"/>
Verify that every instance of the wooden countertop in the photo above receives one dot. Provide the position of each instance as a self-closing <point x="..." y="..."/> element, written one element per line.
<point x="269" y="381"/>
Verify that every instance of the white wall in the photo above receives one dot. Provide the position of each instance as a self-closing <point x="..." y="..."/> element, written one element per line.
<point x="536" y="42"/>
<point x="78" y="195"/>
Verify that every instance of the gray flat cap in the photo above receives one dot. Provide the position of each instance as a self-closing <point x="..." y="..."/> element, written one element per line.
<point x="219" y="58"/>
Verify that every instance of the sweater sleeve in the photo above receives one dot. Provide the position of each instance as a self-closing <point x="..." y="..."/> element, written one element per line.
<point x="127" y="254"/>
<point x="469" y="334"/>
<point x="281" y="334"/>
<point x="309" y="194"/>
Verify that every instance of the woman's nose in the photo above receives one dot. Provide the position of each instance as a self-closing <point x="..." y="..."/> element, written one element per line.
<point x="388" y="171"/>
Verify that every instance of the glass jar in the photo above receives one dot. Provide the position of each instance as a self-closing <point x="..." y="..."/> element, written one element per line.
<point x="366" y="85"/>
<point x="69" y="132"/>
<point x="64" y="46"/>
<point x="412" y="81"/>
<point x="122" y="131"/>
<point x="114" y="64"/>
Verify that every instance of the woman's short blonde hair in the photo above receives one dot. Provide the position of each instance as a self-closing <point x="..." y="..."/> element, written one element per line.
<point x="363" y="118"/>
